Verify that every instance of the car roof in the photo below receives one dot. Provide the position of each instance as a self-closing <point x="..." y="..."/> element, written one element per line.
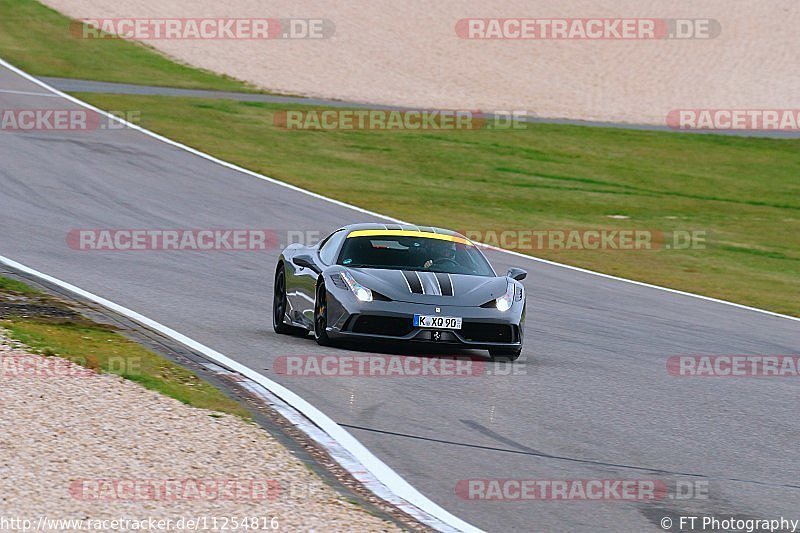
<point x="403" y="227"/>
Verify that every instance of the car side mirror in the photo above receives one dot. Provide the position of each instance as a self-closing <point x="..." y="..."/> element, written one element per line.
<point x="517" y="274"/>
<point x="305" y="261"/>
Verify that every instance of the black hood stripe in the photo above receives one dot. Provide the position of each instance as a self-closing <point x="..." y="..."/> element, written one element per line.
<point x="432" y="283"/>
<point x="445" y="283"/>
<point x="413" y="281"/>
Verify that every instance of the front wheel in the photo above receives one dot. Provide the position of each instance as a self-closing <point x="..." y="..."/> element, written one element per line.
<point x="505" y="354"/>
<point x="321" y="316"/>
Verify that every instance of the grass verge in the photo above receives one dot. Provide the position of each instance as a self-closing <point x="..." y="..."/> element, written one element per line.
<point x="50" y="327"/>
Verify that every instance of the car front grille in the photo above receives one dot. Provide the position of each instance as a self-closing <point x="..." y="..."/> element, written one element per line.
<point x="382" y="325"/>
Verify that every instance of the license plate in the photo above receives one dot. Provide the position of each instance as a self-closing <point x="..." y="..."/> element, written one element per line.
<point x="438" y="322"/>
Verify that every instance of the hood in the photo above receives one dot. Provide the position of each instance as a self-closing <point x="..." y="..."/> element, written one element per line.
<point x="431" y="287"/>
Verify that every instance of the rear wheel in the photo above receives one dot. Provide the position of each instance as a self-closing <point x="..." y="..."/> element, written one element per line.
<point x="279" y="304"/>
<point x="505" y="354"/>
<point x="321" y="316"/>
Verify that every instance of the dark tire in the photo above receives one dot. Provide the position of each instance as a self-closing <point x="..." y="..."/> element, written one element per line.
<point x="279" y="304"/>
<point x="505" y="354"/>
<point x="321" y="316"/>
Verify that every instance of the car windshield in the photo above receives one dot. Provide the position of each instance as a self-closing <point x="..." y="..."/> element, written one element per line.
<point x="443" y="253"/>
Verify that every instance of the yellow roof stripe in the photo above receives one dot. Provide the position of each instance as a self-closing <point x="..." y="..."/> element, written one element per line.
<point x="408" y="233"/>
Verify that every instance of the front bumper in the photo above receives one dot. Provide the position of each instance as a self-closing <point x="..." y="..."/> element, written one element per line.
<point x="482" y="328"/>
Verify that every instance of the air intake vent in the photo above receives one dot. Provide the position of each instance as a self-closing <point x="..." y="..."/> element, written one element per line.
<point x="487" y="332"/>
<point x="383" y="325"/>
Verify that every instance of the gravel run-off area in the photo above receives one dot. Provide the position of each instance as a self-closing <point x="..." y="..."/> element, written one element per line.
<point x="410" y="54"/>
<point x="76" y="445"/>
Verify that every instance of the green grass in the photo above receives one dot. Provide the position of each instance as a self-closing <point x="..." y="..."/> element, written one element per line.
<point x="16" y="287"/>
<point x="38" y="40"/>
<point x="744" y="192"/>
<point x="102" y="349"/>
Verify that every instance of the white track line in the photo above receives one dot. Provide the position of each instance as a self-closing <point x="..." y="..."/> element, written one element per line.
<point x="362" y="210"/>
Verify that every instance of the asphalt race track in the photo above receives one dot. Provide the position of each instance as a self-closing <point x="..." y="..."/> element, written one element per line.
<point x="589" y="399"/>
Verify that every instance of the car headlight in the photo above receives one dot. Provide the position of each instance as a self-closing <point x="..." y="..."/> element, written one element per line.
<point x="505" y="302"/>
<point x="361" y="292"/>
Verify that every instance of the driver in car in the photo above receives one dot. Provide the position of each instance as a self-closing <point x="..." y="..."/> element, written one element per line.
<point x="440" y="252"/>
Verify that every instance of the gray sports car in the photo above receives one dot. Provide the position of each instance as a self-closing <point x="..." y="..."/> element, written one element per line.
<point x="399" y="283"/>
